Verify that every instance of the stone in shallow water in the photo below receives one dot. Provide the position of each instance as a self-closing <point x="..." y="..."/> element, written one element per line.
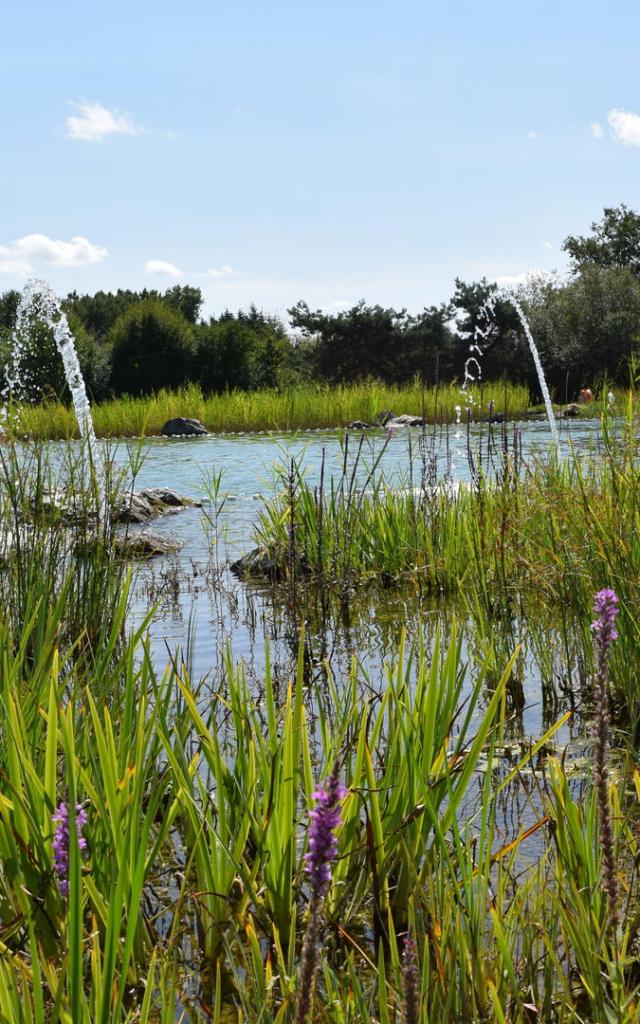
<point x="144" y="545"/>
<point x="256" y="564"/>
<point x="151" y="502"/>
<point x="405" y="420"/>
<point x="183" y="427"/>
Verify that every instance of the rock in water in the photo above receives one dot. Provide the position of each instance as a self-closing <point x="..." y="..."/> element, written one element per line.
<point x="153" y="501"/>
<point x="258" y="564"/>
<point x="405" y="420"/>
<point x="144" y="545"/>
<point x="183" y="427"/>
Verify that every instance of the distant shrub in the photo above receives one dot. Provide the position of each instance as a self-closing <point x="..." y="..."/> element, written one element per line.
<point x="152" y="347"/>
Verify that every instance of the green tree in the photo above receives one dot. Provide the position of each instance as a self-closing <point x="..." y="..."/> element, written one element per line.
<point x="227" y="356"/>
<point x="186" y="299"/>
<point x="615" y="241"/>
<point x="588" y="329"/>
<point x="152" y="347"/>
<point x="370" y="341"/>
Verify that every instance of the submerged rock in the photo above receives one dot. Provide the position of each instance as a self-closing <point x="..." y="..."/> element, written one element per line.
<point x="256" y="563"/>
<point x="183" y="427"/>
<point x="144" y="545"/>
<point x="358" y="425"/>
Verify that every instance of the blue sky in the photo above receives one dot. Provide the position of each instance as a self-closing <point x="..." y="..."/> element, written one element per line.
<point x="326" y="152"/>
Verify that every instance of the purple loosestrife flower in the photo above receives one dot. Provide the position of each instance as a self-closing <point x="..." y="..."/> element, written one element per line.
<point x="323" y="845"/>
<point x="605" y="632"/>
<point x="61" y="842"/>
<point x="604" y="629"/>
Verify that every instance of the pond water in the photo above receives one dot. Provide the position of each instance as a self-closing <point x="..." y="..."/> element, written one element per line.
<point x="201" y="608"/>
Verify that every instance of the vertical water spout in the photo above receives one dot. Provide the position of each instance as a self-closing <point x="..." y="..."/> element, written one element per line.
<point x="536" y="358"/>
<point x="38" y="300"/>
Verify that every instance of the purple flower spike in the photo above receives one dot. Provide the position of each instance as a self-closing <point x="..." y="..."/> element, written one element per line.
<point x="606" y="607"/>
<point x="605" y="632"/>
<point x="61" y="842"/>
<point x="323" y="845"/>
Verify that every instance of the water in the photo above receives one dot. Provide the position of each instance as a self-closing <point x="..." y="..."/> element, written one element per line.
<point x="201" y="607"/>
<point x="473" y="369"/>
<point x="40" y="304"/>
<point x="541" y="377"/>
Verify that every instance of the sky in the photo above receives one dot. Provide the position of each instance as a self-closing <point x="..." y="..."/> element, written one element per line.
<point x="273" y="152"/>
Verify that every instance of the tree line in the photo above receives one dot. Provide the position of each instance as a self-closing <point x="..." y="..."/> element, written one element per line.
<point x="587" y="328"/>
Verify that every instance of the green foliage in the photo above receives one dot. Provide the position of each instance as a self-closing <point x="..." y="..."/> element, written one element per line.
<point x="98" y="313"/>
<point x="190" y="900"/>
<point x="152" y="348"/>
<point x="615" y="241"/>
<point x="505" y="352"/>
<point x="231" y="355"/>
<point x="293" y="408"/>
<point x="369" y="341"/>
<point x="586" y="330"/>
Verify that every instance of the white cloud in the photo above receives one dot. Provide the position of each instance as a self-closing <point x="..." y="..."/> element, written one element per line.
<point x="546" y="245"/>
<point x="625" y="126"/>
<point x="94" y="122"/>
<point x="223" y="271"/>
<point x="596" y="129"/>
<point x="163" y="267"/>
<point x="341" y="304"/>
<point x="531" y="134"/>
<point x="21" y="256"/>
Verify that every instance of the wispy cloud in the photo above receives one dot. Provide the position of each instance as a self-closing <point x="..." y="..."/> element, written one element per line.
<point x="546" y="245"/>
<point x="163" y="267"/>
<point x="596" y="129"/>
<point x="93" y="123"/>
<point x="625" y="126"/>
<point x="23" y="255"/>
<point x="532" y="134"/>
<point x="223" y="271"/>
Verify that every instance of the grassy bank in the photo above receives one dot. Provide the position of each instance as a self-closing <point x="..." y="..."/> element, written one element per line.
<point x="298" y="408"/>
<point x="188" y="898"/>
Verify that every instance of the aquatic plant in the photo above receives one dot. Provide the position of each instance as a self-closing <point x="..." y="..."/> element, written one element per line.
<point x="605" y="633"/>
<point x="61" y="840"/>
<point x="323" y="847"/>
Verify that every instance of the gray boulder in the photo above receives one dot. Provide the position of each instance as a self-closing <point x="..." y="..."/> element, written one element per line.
<point x="153" y="501"/>
<point x="405" y="420"/>
<point x="183" y="427"/>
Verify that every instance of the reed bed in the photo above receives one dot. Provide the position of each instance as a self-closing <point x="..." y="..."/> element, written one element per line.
<point x="305" y="407"/>
<point x="153" y="828"/>
<point x="539" y="538"/>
